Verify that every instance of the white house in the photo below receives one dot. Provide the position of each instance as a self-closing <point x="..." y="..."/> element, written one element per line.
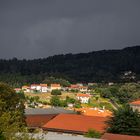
<point x="36" y="87"/>
<point x="83" y="89"/>
<point x="55" y="86"/>
<point x="83" y="98"/>
<point x="44" y="87"/>
<point x="135" y="105"/>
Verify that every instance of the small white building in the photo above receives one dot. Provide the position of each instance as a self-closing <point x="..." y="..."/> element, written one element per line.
<point x="83" y="98"/>
<point x="83" y="89"/>
<point x="135" y="105"/>
<point x="44" y="87"/>
<point x="36" y="87"/>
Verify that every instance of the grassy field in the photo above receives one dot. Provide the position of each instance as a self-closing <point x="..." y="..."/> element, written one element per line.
<point x="47" y="96"/>
<point x="100" y="103"/>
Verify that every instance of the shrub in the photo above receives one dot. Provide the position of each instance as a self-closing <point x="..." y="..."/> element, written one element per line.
<point x="56" y="92"/>
<point x="93" y="134"/>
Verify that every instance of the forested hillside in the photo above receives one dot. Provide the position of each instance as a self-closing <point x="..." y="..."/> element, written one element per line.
<point x="98" y="66"/>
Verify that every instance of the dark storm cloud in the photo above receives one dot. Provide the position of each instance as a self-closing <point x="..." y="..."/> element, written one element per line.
<point x="39" y="28"/>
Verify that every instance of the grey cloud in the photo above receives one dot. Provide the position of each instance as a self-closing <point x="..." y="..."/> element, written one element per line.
<point x="33" y="29"/>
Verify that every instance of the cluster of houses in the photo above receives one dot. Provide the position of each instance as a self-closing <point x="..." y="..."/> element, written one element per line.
<point x="45" y="88"/>
<point x="39" y="88"/>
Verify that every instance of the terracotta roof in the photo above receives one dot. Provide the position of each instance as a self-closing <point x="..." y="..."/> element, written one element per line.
<point x="76" y="123"/>
<point x="38" y="120"/>
<point x="25" y="87"/>
<point x="135" y="102"/>
<point x="43" y="85"/>
<point x="83" y="95"/>
<point x="95" y="112"/>
<point x="55" y="85"/>
<point x="109" y="136"/>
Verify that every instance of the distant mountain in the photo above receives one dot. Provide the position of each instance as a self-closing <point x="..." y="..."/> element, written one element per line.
<point x="97" y="66"/>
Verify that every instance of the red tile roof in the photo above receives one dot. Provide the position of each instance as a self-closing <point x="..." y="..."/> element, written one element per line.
<point x="74" y="86"/>
<point x="135" y="102"/>
<point x="76" y="123"/>
<point x="25" y="87"/>
<point x="109" y="136"/>
<point x="38" y="120"/>
<point x="43" y="85"/>
<point x="55" y="85"/>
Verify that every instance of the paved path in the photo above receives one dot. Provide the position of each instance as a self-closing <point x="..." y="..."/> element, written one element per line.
<point x="55" y="136"/>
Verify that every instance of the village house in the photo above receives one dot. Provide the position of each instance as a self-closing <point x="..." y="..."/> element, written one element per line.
<point x="17" y="90"/>
<point x="73" y="87"/>
<point x="37" y="117"/>
<point x="83" y="98"/>
<point x="55" y="86"/>
<point x="135" y="105"/>
<point x="44" y="87"/>
<point x="36" y="87"/>
<point x="26" y="88"/>
<point x="83" y="89"/>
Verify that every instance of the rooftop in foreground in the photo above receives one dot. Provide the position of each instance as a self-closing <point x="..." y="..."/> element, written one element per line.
<point x="135" y="102"/>
<point x="79" y="124"/>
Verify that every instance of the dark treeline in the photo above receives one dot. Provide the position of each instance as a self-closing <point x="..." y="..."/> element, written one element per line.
<point x="99" y="66"/>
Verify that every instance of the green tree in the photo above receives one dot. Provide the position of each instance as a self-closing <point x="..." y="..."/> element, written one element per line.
<point x="12" y="118"/>
<point x="55" y="101"/>
<point x="70" y="100"/>
<point x="56" y="92"/>
<point x="124" y="121"/>
<point x="77" y="104"/>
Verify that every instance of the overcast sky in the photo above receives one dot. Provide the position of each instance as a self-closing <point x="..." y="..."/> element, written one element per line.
<point x="41" y="28"/>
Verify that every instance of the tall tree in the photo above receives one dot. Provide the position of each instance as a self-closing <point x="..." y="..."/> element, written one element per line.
<point x="12" y="118"/>
<point x="124" y="121"/>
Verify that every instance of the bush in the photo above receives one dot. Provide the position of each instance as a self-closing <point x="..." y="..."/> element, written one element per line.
<point x="55" y="101"/>
<point x="93" y="134"/>
<point x="56" y="92"/>
<point x="77" y="104"/>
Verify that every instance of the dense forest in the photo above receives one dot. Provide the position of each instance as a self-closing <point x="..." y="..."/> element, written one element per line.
<point x="97" y="66"/>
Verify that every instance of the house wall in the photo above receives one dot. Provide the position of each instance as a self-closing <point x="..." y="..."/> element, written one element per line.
<point x="54" y="88"/>
<point x="44" y="89"/>
<point x="136" y="107"/>
<point x="83" y="99"/>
